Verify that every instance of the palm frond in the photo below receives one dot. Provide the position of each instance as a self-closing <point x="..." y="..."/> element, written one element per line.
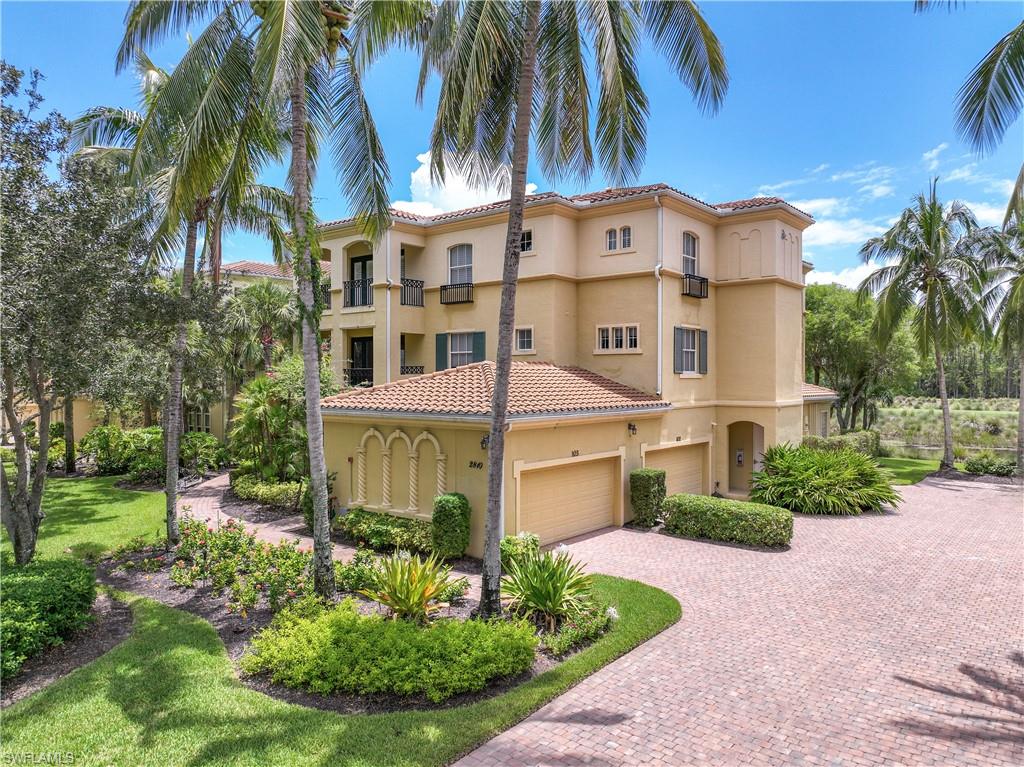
<point x="993" y="94"/>
<point x="149" y="22"/>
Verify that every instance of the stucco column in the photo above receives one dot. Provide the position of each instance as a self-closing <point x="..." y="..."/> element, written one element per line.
<point x="414" y="481"/>
<point x="385" y="456"/>
<point x="442" y="474"/>
<point x="360" y="475"/>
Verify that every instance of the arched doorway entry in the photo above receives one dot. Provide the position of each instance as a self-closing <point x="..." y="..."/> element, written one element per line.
<point x="746" y="447"/>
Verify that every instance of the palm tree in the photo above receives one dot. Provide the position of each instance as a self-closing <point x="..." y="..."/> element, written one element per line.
<point x="991" y="99"/>
<point x="187" y="194"/>
<point x="498" y="61"/>
<point x="254" y="56"/>
<point x="263" y="313"/>
<point x="934" y="275"/>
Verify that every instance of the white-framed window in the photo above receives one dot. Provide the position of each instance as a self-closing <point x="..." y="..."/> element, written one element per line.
<point x="460" y="264"/>
<point x="689" y="350"/>
<point x="526" y="241"/>
<point x="524" y="340"/>
<point x="626" y="237"/>
<point x="690" y="253"/>
<point x="618" y="338"/>
<point x="611" y="240"/>
<point x="460" y="349"/>
<point x="197" y="418"/>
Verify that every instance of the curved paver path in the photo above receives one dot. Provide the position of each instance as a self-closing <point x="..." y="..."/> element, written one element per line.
<point x="875" y="640"/>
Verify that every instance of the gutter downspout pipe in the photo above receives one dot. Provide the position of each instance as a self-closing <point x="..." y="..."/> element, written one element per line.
<point x="661" y="301"/>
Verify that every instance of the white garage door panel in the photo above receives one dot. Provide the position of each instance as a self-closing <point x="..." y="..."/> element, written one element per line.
<point x="682" y="466"/>
<point x="572" y="499"/>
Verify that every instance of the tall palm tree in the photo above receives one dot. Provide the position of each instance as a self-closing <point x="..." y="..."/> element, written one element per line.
<point x="934" y="275"/>
<point x="991" y="99"/>
<point x="301" y="60"/>
<point x="186" y="194"/>
<point x="263" y="313"/>
<point x="498" y="62"/>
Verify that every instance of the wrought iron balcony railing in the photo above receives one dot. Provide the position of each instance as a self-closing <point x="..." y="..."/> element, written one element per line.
<point x="457" y="293"/>
<point x="412" y="292"/>
<point x="358" y="292"/>
<point x="694" y="286"/>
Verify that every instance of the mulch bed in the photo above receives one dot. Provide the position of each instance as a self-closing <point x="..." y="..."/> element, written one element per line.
<point x="112" y="624"/>
<point x="236" y="633"/>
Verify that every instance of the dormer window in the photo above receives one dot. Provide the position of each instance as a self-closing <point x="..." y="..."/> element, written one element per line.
<point x="611" y="240"/>
<point x="690" y="251"/>
<point x="626" y="237"/>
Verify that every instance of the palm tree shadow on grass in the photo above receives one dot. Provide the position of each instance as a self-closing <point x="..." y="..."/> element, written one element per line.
<point x="1002" y="693"/>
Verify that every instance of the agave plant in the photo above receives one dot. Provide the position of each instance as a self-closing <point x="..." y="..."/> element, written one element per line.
<point x="548" y="587"/>
<point x="410" y="586"/>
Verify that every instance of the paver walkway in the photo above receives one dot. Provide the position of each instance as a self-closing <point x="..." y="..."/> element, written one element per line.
<point x="875" y="640"/>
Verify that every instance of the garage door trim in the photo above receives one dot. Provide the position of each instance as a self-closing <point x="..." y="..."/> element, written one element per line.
<point x="518" y="467"/>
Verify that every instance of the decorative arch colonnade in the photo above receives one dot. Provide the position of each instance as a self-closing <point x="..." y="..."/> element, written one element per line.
<point x="412" y="451"/>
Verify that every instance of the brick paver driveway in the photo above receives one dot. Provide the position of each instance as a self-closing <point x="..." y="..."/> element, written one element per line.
<point x="890" y="639"/>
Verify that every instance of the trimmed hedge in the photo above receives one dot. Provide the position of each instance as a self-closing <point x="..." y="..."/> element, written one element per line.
<point x="450" y="525"/>
<point x="44" y="603"/>
<point x="283" y="495"/>
<point x="867" y="442"/>
<point x="987" y="462"/>
<point x="646" y="494"/>
<point x="721" y="519"/>
<point x="386" y="532"/>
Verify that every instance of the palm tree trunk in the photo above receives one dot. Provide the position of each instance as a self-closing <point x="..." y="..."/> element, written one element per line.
<point x="172" y="418"/>
<point x="69" y="434"/>
<point x="1020" y="416"/>
<point x="947" y="424"/>
<point x="323" y="563"/>
<point x="490" y="594"/>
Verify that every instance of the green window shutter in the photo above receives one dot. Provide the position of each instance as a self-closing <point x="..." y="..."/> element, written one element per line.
<point x="702" y="352"/>
<point x="479" y="346"/>
<point x="677" y="350"/>
<point x="441" y="348"/>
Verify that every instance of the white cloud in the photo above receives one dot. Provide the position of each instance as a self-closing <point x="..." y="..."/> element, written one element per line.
<point x="876" y="191"/>
<point x="966" y="173"/>
<point x="850" y="231"/>
<point x="931" y="157"/>
<point x="1001" y="186"/>
<point x="868" y="173"/>
<point x="850" y="277"/>
<point x="429" y="199"/>
<point x="823" y="206"/>
<point x="987" y="213"/>
<point x="819" y="169"/>
<point x="772" y="189"/>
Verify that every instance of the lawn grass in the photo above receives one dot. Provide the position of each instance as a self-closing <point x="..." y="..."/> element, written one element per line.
<point x="169" y="696"/>
<point x="89" y="516"/>
<point x="909" y="471"/>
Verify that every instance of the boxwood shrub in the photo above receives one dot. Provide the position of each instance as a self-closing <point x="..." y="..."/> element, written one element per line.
<point x="283" y="495"/>
<point x="386" y="532"/>
<point x="44" y="603"/>
<point x="339" y="650"/>
<point x="721" y="519"/>
<point x="646" y="494"/>
<point x="450" y="525"/>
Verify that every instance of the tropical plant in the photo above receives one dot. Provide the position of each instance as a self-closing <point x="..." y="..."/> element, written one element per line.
<point x="501" y="61"/>
<point x="932" y="275"/>
<point x="263" y="315"/>
<point x="409" y="585"/>
<point x="548" y="587"/>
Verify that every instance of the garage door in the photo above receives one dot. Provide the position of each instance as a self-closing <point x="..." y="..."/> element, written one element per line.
<point x="572" y="499"/>
<point x="682" y="466"/>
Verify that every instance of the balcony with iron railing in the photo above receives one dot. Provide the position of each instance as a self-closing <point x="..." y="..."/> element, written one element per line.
<point x="359" y="376"/>
<point x="457" y="293"/>
<point x="695" y="286"/>
<point x="411" y="370"/>
<point x="412" y="292"/>
<point x="358" y="292"/>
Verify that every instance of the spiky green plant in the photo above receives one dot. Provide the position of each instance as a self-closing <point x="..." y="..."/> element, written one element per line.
<point x="548" y="587"/>
<point x="410" y="586"/>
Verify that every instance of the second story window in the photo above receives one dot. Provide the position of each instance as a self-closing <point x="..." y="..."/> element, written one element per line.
<point x="526" y="241"/>
<point x="618" y="338"/>
<point x="460" y="264"/>
<point x="611" y="240"/>
<point x="689" y="253"/>
<point x="460" y="349"/>
<point x="524" y="339"/>
<point x="626" y="237"/>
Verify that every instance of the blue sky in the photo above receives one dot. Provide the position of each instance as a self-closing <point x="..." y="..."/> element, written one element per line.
<point x="845" y="109"/>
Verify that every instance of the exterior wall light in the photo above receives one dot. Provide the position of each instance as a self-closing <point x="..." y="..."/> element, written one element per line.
<point x="485" y="441"/>
<point x="632" y="429"/>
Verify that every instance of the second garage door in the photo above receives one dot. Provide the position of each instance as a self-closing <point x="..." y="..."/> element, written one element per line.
<point x="683" y="467"/>
<point x="571" y="499"/>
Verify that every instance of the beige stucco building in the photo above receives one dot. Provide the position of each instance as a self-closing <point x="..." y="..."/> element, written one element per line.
<point x="698" y="306"/>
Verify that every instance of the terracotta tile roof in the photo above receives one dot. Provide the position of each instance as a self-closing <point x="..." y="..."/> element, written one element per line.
<point x="814" y="392"/>
<point x="536" y="388"/>
<point x="263" y="269"/>
<point x="757" y="202"/>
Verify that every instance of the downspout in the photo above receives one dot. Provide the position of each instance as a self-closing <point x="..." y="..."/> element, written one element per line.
<point x="657" y="277"/>
<point x="387" y="306"/>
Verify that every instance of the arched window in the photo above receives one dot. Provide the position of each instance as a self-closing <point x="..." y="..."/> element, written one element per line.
<point x="460" y="264"/>
<point x="626" y="237"/>
<point x="690" y="250"/>
<point x="611" y="240"/>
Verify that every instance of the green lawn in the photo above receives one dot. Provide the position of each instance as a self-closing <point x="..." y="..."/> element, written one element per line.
<point x="909" y="471"/>
<point x="91" y="516"/>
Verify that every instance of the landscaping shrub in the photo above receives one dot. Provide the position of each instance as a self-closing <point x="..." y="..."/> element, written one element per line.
<point x="202" y="452"/>
<point x="55" y="454"/>
<point x="409" y="586"/>
<point x="339" y="650"/>
<point x="283" y="495"/>
<point x="591" y="622"/>
<point x="386" y="532"/>
<point x="454" y="591"/>
<point x="450" y="525"/>
<point x="516" y="547"/>
<point x="109" y="448"/>
<point x="361" y="572"/>
<point x="548" y="587"/>
<point x="867" y="442"/>
<point x="721" y="519"/>
<point x="822" y="481"/>
<point x="646" y="494"/>
<point x="987" y="462"/>
<point x="139" y="453"/>
<point x="44" y="603"/>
